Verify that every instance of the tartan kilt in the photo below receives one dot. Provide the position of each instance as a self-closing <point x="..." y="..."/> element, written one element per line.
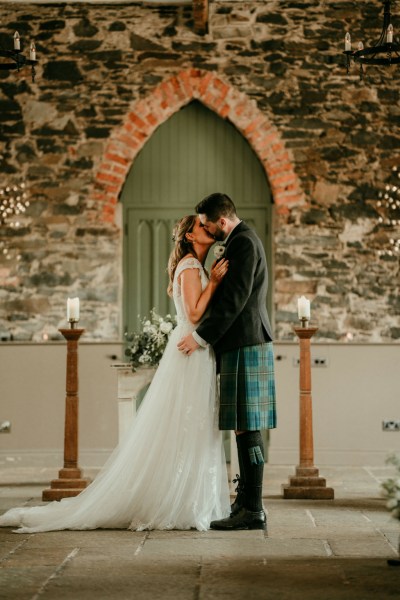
<point x="247" y="388"/>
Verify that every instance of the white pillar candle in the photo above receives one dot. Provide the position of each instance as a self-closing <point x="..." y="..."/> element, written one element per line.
<point x="32" y="53"/>
<point x="303" y="308"/>
<point x="347" y="42"/>
<point x="17" y="42"/>
<point x="73" y="309"/>
<point x="389" y="34"/>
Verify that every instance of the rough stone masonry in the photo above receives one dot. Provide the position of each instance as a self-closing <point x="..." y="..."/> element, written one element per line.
<point x="340" y="137"/>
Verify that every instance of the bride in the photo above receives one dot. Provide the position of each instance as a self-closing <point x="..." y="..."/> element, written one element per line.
<point x="169" y="470"/>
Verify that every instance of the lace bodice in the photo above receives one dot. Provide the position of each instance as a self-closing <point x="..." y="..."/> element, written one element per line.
<point x="186" y="263"/>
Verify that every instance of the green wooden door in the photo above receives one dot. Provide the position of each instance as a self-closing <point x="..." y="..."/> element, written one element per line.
<point x="193" y="154"/>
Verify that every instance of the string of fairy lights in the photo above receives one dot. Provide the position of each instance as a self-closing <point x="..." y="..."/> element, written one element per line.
<point x="388" y="209"/>
<point x="13" y="204"/>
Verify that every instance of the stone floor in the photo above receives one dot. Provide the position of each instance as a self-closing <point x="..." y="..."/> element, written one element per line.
<point x="314" y="550"/>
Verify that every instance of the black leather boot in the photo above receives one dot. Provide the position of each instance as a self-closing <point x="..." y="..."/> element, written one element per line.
<point x="240" y="495"/>
<point x="244" y="519"/>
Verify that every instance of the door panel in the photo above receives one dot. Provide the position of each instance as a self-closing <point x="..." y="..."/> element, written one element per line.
<point x="148" y="250"/>
<point x="193" y="154"/>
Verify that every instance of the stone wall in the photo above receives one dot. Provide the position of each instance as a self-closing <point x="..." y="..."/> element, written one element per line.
<point x="97" y="62"/>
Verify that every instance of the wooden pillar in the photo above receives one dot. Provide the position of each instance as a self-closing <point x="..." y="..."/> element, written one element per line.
<point x="70" y="482"/>
<point x="306" y="483"/>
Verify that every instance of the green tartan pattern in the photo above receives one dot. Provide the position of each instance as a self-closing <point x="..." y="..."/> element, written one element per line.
<point x="247" y="388"/>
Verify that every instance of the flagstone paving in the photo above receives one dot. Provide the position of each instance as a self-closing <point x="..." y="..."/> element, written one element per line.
<point x="313" y="550"/>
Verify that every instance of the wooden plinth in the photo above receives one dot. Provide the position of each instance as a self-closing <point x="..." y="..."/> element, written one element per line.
<point x="306" y="484"/>
<point x="70" y="482"/>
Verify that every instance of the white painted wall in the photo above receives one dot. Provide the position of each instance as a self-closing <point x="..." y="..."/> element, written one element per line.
<point x="32" y="397"/>
<point x="351" y="396"/>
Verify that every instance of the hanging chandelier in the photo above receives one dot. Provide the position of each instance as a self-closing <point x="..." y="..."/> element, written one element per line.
<point x="385" y="52"/>
<point x="18" y="59"/>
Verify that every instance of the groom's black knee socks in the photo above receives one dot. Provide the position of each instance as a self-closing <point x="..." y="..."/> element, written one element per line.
<point x="251" y="461"/>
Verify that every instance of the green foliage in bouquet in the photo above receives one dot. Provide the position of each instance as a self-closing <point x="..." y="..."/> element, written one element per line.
<point x="147" y="347"/>
<point x="392" y="487"/>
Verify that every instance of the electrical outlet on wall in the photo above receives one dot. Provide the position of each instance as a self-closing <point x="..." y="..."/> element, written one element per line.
<point x="390" y="425"/>
<point x="318" y="361"/>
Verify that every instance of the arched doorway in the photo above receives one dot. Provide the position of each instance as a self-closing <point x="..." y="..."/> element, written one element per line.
<point x="192" y="154"/>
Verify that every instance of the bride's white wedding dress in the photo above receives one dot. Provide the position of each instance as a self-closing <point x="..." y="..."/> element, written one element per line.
<point x="169" y="470"/>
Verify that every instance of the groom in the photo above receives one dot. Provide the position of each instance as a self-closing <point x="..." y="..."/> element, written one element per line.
<point x="239" y="330"/>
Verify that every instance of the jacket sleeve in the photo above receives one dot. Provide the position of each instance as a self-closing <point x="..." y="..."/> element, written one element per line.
<point x="234" y="292"/>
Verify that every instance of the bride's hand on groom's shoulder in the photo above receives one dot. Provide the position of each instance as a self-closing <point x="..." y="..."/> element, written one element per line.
<point x="219" y="269"/>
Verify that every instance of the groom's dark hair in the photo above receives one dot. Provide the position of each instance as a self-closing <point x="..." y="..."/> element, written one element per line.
<point x="216" y="206"/>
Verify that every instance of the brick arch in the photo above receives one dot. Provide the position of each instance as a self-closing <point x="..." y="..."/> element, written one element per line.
<point x="168" y="97"/>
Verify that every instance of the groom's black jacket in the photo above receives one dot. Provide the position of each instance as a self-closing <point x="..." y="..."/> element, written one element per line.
<point x="238" y="314"/>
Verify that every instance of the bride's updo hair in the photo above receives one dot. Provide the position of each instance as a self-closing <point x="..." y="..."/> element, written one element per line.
<point x="182" y="246"/>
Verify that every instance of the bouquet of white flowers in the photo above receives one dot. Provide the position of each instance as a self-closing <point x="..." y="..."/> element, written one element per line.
<point x="392" y="487"/>
<point x="147" y="347"/>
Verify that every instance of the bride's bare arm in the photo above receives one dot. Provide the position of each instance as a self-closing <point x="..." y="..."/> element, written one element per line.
<point x="196" y="301"/>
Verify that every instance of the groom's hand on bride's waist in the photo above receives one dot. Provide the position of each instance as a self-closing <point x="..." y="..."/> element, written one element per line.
<point x="188" y="345"/>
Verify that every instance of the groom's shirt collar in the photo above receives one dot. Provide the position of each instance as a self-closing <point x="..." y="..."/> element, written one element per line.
<point x="229" y="234"/>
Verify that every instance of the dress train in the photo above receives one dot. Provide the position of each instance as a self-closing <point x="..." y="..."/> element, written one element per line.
<point x="169" y="470"/>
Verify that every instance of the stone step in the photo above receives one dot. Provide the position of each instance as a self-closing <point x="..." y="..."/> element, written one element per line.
<point x="307" y="481"/>
<point x="62" y="484"/>
<point x="70" y="473"/>
<point x="307" y="493"/>
<point x="307" y="472"/>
